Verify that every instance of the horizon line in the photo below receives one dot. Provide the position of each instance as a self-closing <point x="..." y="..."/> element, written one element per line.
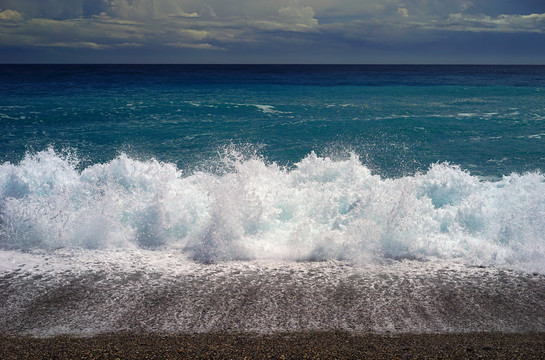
<point x="280" y="64"/>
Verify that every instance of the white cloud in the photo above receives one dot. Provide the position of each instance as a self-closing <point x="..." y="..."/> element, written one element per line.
<point x="297" y="13"/>
<point x="10" y="15"/>
<point x="403" y="12"/>
<point x="76" y="45"/>
<point x="203" y="46"/>
<point x="192" y="34"/>
<point x="502" y="23"/>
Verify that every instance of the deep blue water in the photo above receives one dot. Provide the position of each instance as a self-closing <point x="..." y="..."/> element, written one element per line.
<point x="399" y="119"/>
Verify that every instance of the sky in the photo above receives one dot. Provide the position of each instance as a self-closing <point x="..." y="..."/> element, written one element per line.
<point x="273" y="31"/>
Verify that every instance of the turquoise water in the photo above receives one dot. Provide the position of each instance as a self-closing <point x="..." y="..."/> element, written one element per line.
<point x="398" y="119"/>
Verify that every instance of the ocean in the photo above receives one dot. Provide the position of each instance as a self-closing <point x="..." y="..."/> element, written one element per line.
<point x="271" y="198"/>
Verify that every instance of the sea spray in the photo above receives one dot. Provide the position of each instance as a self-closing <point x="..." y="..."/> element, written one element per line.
<point x="319" y="209"/>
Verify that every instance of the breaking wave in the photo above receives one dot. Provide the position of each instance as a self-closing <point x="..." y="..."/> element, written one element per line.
<point x="319" y="209"/>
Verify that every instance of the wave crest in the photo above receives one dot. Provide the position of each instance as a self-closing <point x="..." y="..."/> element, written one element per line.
<point x="320" y="209"/>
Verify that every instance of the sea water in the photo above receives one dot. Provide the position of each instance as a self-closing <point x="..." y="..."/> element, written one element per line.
<point x="271" y="198"/>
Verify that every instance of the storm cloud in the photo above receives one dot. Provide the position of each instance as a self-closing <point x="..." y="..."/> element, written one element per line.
<point x="271" y="31"/>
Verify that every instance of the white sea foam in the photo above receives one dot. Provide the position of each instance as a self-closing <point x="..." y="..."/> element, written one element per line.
<point x="85" y="292"/>
<point x="321" y="209"/>
<point x="265" y="109"/>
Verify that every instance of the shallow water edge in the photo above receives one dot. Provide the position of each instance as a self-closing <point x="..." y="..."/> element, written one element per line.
<point x="152" y="293"/>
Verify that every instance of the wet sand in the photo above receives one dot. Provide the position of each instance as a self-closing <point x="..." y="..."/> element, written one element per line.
<point x="307" y="345"/>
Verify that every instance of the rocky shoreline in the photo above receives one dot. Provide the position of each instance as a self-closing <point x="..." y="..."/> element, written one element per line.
<point x="304" y="345"/>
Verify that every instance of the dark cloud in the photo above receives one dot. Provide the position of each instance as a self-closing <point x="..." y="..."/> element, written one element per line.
<point x="508" y="7"/>
<point x="273" y="30"/>
<point x="93" y="7"/>
<point x="49" y="9"/>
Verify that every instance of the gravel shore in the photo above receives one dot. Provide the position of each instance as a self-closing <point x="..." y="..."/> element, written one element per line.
<point x="311" y="345"/>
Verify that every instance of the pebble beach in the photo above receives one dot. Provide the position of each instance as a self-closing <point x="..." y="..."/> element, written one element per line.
<point x="306" y="345"/>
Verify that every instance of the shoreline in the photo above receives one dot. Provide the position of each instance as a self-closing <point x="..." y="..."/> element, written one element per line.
<point x="294" y="345"/>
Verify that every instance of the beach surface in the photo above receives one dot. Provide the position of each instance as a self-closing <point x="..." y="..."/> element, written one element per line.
<point x="107" y="307"/>
<point x="155" y="292"/>
<point x="301" y="345"/>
